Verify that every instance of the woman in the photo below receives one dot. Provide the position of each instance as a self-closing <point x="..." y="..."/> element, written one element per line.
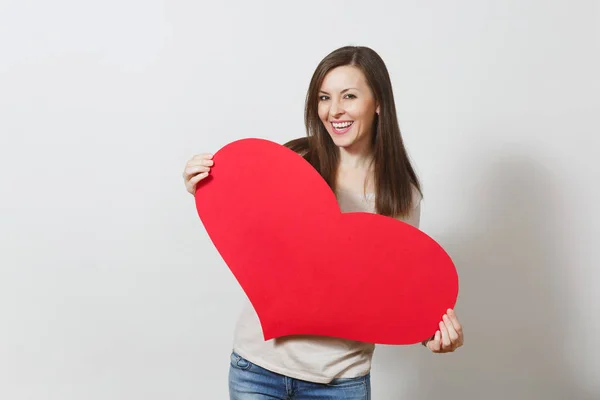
<point x="353" y="140"/>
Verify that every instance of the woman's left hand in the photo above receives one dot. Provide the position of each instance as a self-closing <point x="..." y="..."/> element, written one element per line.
<point x="450" y="335"/>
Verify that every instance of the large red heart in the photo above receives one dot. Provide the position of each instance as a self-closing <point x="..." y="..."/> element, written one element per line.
<point x="309" y="269"/>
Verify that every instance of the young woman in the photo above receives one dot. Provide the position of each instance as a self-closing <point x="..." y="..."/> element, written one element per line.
<point x="353" y="140"/>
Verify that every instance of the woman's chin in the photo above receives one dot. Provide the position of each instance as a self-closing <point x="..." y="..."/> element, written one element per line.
<point x="341" y="140"/>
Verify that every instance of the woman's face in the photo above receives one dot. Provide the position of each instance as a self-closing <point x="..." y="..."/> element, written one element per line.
<point x="347" y="106"/>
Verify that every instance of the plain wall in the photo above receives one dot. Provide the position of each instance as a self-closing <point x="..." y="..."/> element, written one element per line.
<point x="110" y="287"/>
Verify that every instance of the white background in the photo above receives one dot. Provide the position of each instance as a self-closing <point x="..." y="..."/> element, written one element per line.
<point x="109" y="285"/>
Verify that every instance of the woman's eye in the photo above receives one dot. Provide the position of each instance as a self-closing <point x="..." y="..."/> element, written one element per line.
<point x="323" y="98"/>
<point x="350" y="96"/>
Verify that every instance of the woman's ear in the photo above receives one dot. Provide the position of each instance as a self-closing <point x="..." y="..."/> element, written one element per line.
<point x="377" y="110"/>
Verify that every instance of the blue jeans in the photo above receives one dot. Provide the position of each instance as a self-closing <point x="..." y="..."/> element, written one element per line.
<point x="248" y="381"/>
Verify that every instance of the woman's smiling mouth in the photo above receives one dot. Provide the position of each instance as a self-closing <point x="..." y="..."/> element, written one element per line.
<point x="341" y="127"/>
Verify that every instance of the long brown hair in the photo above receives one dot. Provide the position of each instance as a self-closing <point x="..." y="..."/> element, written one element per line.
<point x="394" y="176"/>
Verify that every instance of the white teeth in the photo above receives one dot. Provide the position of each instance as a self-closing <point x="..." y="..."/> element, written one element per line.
<point x="342" y="125"/>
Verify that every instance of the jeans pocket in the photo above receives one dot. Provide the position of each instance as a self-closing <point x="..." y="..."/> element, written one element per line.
<point x="240" y="362"/>
<point x="348" y="383"/>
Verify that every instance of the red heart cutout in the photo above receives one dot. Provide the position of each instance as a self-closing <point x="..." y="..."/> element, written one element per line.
<point x="309" y="269"/>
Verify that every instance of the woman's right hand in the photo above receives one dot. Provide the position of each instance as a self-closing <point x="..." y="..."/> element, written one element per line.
<point x="196" y="169"/>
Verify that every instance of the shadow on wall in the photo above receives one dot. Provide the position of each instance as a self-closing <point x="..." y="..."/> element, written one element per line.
<point x="510" y="260"/>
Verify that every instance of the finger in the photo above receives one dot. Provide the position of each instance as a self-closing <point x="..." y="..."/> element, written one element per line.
<point x="192" y="183"/>
<point x="445" y="337"/>
<point x="189" y="171"/>
<point x="203" y="156"/>
<point x="435" y="343"/>
<point x="451" y="331"/>
<point x="429" y="339"/>
<point x="200" y="162"/>
<point x="455" y="323"/>
<point x="198" y="178"/>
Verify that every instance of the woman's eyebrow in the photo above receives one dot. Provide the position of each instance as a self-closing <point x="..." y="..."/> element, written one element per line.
<point x="343" y="91"/>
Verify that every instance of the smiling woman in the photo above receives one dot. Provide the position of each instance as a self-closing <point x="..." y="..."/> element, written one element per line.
<point x="353" y="140"/>
<point x="351" y="122"/>
<point x="347" y="108"/>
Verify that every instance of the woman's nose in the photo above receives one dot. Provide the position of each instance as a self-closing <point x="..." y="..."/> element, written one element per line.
<point x="335" y="109"/>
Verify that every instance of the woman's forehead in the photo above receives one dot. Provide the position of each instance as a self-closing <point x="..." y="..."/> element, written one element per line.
<point x="342" y="78"/>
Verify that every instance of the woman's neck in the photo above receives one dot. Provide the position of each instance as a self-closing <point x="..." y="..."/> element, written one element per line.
<point x="355" y="171"/>
<point x="358" y="156"/>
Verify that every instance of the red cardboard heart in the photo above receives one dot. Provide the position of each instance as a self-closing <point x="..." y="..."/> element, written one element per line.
<point x="309" y="269"/>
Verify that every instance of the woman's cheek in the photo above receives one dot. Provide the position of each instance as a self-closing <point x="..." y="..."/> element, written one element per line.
<point x="322" y="111"/>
